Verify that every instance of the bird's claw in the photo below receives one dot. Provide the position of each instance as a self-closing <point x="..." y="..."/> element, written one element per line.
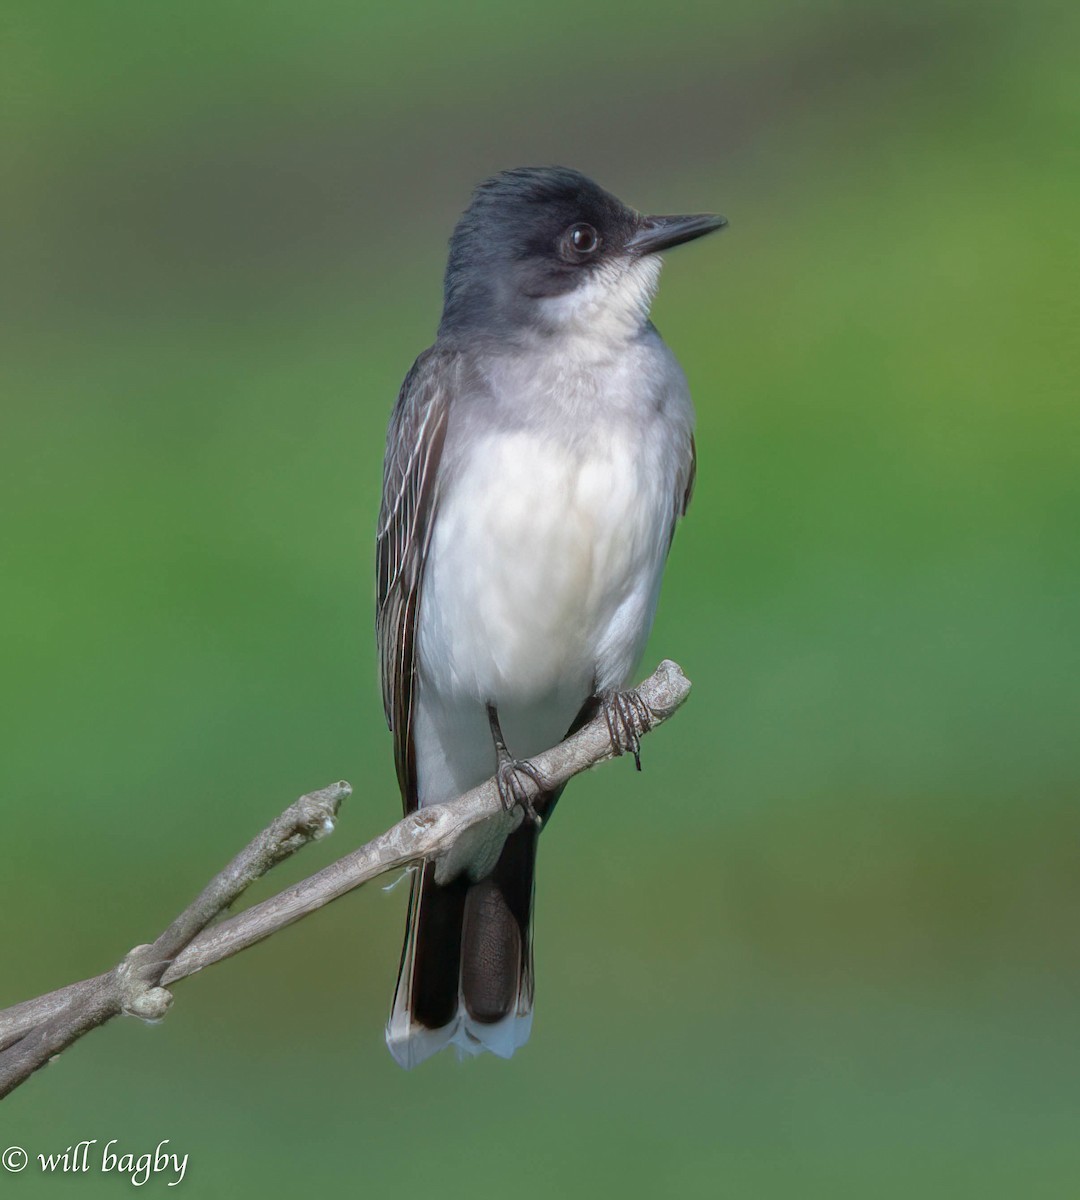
<point x="628" y="717"/>
<point x="510" y="776"/>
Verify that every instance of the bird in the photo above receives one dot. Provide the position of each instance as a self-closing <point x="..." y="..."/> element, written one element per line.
<point x="538" y="458"/>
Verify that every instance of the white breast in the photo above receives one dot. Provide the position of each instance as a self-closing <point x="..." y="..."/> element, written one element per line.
<point x="544" y="566"/>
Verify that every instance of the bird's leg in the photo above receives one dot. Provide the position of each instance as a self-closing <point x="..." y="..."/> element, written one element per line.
<point x="628" y="717"/>
<point x="510" y="773"/>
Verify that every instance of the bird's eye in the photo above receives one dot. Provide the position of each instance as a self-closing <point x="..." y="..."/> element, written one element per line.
<point x="581" y="241"/>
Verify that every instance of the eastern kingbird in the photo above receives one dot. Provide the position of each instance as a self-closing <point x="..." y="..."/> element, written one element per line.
<point x="538" y="458"/>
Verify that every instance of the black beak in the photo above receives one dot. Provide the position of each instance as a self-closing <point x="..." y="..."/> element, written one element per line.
<point x="661" y="233"/>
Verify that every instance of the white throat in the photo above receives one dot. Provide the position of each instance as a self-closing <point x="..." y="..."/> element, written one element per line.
<point x="609" y="309"/>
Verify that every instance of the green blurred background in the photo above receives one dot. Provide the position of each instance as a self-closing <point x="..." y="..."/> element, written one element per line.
<point x="826" y="944"/>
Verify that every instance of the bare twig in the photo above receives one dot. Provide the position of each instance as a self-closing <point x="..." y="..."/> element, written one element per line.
<point x="34" y="1031"/>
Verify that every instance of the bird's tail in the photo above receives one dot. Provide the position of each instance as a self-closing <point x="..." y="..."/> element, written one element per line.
<point x="466" y="976"/>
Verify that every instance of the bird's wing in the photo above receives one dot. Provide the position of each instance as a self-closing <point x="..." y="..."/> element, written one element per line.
<point x="684" y="488"/>
<point x="410" y="472"/>
<point x="686" y="481"/>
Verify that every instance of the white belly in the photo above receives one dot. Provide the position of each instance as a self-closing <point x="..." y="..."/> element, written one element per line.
<point x="539" y="589"/>
<point x="544" y="568"/>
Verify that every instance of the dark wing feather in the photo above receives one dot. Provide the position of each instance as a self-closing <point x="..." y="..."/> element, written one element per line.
<point x="410" y="471"/>
<point x="684" y="488"/>
<point x="691" y="477"/>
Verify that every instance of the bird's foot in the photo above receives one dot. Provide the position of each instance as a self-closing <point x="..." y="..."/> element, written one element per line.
<point x="511" y="774"/>
<point x="628" y="717"/>
<point x="510" y="777"/>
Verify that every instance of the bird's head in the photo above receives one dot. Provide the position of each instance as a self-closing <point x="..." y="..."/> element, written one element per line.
<point x="545" y="250"/>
